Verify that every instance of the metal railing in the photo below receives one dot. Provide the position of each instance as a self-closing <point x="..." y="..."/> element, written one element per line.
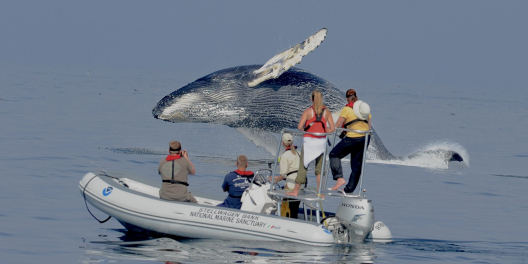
<point x="324" y="169"/>
<point x="367" y="137"/>
<point x="316" y="199"/>
<point x="325" y="154"/>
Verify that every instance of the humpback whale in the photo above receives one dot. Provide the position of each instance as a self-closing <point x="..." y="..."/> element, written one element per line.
<point x="258" y="100"/>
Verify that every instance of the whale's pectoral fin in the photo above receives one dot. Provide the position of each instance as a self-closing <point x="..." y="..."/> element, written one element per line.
<point x="260" y="138"/>
<point x="287" y="59"/>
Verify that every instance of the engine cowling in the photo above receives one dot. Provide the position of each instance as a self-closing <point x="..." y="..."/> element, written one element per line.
<point x="356" y="214"/>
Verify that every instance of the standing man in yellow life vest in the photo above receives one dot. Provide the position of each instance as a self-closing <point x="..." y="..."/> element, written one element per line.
<point x="355" y="115"/>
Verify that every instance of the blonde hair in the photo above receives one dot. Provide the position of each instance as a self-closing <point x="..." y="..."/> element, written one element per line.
<point x="317" y="98"/>
<point x="292" y="148"/>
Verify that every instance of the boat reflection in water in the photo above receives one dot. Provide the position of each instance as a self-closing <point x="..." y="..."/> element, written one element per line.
<point x="139" y="246"/>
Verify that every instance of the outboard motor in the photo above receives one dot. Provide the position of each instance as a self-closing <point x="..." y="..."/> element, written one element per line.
<point x="356" y="215"/>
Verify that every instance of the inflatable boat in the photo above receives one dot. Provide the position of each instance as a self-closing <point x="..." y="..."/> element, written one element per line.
<point x="137" y="206"/>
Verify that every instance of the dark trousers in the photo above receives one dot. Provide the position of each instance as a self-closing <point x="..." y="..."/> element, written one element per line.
<point x="354" y="147"/>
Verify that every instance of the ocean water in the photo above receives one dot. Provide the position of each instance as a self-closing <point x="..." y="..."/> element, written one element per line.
<point x="58" y="124"/>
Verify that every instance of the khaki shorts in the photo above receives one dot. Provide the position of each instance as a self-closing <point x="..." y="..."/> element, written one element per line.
<point x="301" y="173"/>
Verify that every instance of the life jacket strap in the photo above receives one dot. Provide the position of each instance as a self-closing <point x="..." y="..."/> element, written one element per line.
<point x="318" y="118"/>
<point x="236" y="197"/>
<point x="291" y="172"/>
<point x="172" y="180"/>
<point x="176" y="182"/>
<point x="354" y="121"/>
<point x="343" y="133"/>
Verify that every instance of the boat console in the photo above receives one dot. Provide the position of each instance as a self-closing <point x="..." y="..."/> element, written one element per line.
<point x="354" y="219"/>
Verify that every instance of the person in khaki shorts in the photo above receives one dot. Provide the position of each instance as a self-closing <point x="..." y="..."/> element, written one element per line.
<point x="316" y="119"/>
<point x="174" y="171"/>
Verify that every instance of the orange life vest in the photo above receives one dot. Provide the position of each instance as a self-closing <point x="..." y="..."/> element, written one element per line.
<point x="316" y="124"/>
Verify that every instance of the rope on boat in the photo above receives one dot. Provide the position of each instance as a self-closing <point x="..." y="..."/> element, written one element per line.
<point x="322" y="211"/>
<point x="326" y="218"/>
<point x="84" y="196"/>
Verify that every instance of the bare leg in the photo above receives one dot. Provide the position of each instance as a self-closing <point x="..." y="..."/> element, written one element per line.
<point x="295" y="191"/>
<point x="340" y="182"/>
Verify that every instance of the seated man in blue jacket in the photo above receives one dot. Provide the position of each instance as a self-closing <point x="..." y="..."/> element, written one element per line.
<point x="235" y="183"/>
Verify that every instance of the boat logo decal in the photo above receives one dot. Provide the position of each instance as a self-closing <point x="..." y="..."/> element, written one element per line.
<point x="379" y="225"/>
<point x="107" y="191"/>
<point x="357" y="217"/>
<point x="326" y="230"/>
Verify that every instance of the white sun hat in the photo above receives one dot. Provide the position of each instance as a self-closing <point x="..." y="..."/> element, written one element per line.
<point x="287" y="138"/>
<point x="361" y="110"/>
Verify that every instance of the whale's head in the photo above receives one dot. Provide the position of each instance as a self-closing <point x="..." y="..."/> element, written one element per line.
<point x="214" y="98"/>
<point x="224" y="97"/>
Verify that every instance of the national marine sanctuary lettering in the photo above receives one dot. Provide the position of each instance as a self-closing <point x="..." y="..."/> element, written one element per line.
<point x="232" y="217"/>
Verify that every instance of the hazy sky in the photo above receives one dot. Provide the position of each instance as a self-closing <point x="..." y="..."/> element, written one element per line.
<point x="472" y="43"/>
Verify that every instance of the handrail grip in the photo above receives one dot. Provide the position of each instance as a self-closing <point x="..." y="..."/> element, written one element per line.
<point x="353" y="130"/>
<point x="305" y="132"/>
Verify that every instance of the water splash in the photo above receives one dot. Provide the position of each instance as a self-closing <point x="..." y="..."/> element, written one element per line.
<point x="137" y="151"/>
<point x="434" y="155"/>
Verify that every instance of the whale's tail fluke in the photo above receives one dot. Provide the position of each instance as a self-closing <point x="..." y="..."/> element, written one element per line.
<point x="287" y="59"/>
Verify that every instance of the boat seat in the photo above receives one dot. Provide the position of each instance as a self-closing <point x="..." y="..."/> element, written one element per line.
<point x="255" y="199"/>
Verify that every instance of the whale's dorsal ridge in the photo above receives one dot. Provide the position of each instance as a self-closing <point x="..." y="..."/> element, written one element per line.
<point x="287" y="59"/>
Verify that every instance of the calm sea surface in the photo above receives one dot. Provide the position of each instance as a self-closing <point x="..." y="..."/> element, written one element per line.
<point x="58" y="124"/>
